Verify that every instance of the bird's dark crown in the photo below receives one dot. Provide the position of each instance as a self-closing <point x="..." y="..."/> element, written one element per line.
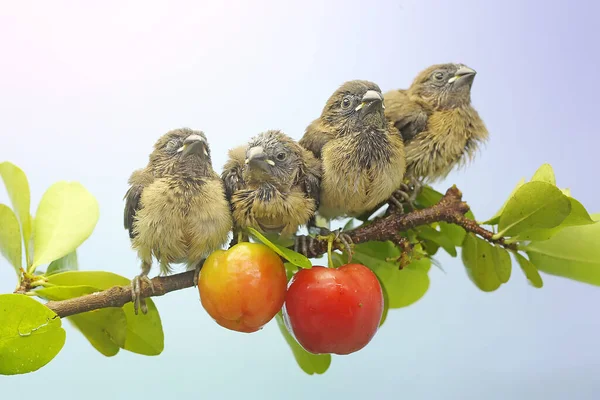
<point x="341" y="114"/>
<point x="441" y="87"/>
<point x="168" y="158"/>
<point x="280" y="158"/>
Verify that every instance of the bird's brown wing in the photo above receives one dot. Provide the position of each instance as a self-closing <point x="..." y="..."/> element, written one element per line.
<point x="315" y="138"/>
<point x="310" y="177"/>
<point x="232" y="172"/>
<point x="409" y="117"/>
<point x="139" y="180"/>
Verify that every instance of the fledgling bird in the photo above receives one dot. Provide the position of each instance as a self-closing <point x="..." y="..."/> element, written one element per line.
<point x="362" y="154"/>
<point x="272" y="184"/>
<point x="440" y="127"/>
<point x="175" y="207"/>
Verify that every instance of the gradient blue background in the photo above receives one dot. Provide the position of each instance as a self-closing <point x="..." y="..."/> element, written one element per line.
<point x="86" y="89"/>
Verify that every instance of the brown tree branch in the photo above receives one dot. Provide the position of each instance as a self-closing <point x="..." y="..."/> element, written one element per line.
<point x="118" y="296"/>
<point x="449" y="209"/>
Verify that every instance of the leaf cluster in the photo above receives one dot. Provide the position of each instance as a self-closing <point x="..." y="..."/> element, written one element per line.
<point x="540" y="225"/>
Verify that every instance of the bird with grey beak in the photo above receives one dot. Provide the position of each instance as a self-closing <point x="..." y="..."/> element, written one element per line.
<point x="362" y="154"/>
<point x="272" y="184"/>
<point x="175" y="208"/>
<point x="440" y="127"/>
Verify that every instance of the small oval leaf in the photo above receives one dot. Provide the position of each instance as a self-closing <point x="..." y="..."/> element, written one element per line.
<point x="308" y="362"/>
<point x="477" y="258"/>
<point x="535" y="205"/>
<point x="31" y="334"/>
<point x="545" y="173"/>
<point x="502" y="263"/>
<point x="403" y="286"/>
<point x="105" y="328"/>
<point x="65" y="218"/>
<point x="63" y="264"/>
<point x="10" y="238"/>
<point x="429" y="233"/>
<point x="144" y="331"/>
<point x="295" y="258"/>
<point x="17" y="187"/>
<point x="572" y="253"/>
<point x="530" y="271"/>
<point x="577" y="216"/>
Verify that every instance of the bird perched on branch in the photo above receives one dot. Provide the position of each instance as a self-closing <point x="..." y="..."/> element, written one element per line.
<point x="440" y="128"/>
<point x="362" y="154"/>
<point x="272" y="184"/>
<point x="175" y="207"/>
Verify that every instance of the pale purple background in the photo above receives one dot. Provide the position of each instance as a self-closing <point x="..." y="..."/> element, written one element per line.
<point x="86" y="88"/>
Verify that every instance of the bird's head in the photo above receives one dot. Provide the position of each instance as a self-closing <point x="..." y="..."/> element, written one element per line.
<point x="444" y="85"/>
<point x="181" y="149"/>
<point x="272" y="156"/>
<point x="355" y="105"/>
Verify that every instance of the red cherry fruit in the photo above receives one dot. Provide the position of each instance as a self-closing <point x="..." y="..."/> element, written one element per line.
<point x="334" y="310"/>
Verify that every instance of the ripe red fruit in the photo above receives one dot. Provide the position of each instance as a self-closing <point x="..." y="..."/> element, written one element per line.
<point x="334" y="310"/>
<point x="244" y="287"/>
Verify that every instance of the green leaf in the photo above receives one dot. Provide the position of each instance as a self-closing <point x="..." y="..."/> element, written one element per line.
<point x="428" y="196"/>
<point x="17" y="187"/>
<point x="290" y="270"/>
<point x="545" y="173"/>
<point x="31" y="334"/>
<point x="429" y="233"/>
<point x="530" y="271"/>
<point x="577" y="216"/>
<point x="351" y="224"/>
<point x="290" y="255"/>
<point x="431" y="247"/>
<point x="572" y="253"/>
<point x="105" y="328"/>
<point x="535" y="205"/>
<point x="63" y="264"/>
<point x="455" y="233"/>
<point x="65" y="218"/>
<point x="496" y="218"/>
<point x="478" y="259"/>
<point x="404" y="287"/>
<point x="310" y="363"/>
<point x="566" y="192"/>
<point x="502" y="263"/>
<point x="339" y="259"/>
<point x="386" y="307"/>
<point x="144" y="331"/>
<point x="10" y="238"/>
<point x="59" y="293"/>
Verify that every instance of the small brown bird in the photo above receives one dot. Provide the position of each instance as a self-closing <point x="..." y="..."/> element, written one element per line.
<point x="272" y="184"/>
<point x="175" y="207"/>
<point x="440" y="128"/>
<point x="362" y="154"/>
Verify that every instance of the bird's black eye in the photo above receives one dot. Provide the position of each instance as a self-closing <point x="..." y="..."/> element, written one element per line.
<point x="281" y="156"/>
<point x="438" y="76"/>
<point x="346" y="103"/>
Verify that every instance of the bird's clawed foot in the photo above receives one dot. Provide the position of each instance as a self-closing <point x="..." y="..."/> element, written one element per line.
<point x="136" y="293"/>
<point x="305" y="245"/>
<point x="405" y="197"/>
<point x="342" y="241"/>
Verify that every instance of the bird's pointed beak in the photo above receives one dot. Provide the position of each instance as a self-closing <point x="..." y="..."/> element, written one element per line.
<point x="372" y="100"/>
<point x="256" y="157"/>
<point x="464" y="74"/>
<point x="194" y="144"/>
